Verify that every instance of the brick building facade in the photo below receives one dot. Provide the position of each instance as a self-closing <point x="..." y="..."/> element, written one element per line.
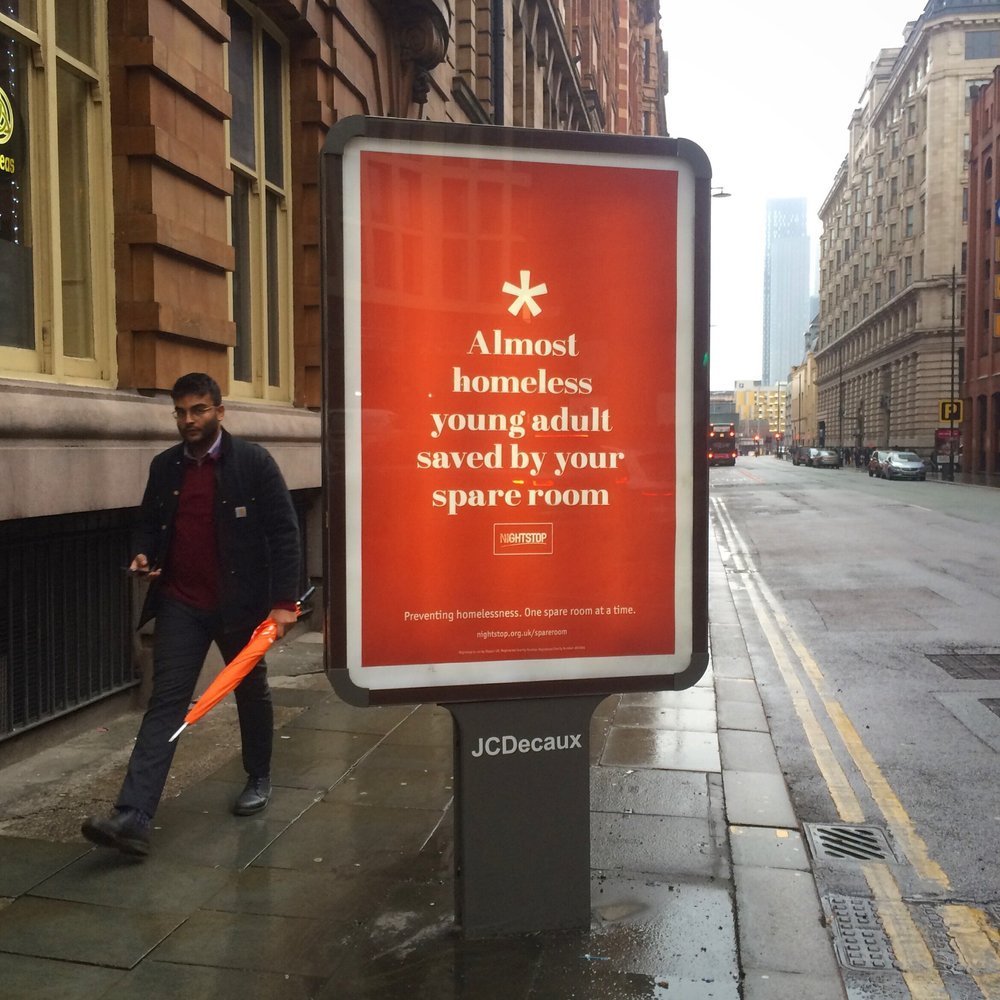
<point x="160" y="213"/>
<point x="981" y="391"/>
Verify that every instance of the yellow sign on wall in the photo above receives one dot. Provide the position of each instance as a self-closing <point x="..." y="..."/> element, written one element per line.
<point x="950" y="410"/>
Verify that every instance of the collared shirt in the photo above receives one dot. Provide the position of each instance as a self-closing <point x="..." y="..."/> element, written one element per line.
<point x="212" y="453"/>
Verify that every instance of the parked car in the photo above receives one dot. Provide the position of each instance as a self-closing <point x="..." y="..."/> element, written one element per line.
<point x="903" y="465"/>
<point x="875" y="463"/>
<point x="825" y="458"/>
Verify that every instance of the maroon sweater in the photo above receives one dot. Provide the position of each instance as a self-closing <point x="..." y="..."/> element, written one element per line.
<point x="192" y="571"/>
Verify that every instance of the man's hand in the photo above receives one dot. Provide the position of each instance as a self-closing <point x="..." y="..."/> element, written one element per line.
<point x="282" y="617"/>
<point x="140" y="567"/>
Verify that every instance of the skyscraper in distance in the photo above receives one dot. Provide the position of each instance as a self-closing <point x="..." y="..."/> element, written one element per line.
<point x="786" y="287"/>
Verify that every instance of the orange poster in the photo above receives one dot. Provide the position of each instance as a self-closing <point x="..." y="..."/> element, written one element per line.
<point x="518" y="430"/>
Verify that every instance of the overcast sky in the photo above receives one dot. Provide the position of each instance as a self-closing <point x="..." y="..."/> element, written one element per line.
<point x="767" y="89"/>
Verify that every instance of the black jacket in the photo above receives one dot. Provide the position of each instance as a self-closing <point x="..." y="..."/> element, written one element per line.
<point x="256" y="528"/>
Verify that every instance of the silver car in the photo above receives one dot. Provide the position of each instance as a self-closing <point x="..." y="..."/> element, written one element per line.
<point x="826" y="458"/>
<point x="903" y="465"/>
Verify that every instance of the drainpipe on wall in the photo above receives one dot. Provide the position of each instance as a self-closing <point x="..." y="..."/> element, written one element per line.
<point x="497" y="36"/>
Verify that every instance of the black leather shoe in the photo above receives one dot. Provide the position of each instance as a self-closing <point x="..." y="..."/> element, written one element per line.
<point x="254" y="797"/>
<point x="124" y="829"/>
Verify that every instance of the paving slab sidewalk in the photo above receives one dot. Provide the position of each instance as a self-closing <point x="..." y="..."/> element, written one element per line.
<point x="343" y="887"/>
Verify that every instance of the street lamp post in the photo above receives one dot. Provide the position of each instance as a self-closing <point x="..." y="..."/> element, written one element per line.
<point x="951" y="402"/>
<point x="720" y="192"/>
<point x="840" y="398"/>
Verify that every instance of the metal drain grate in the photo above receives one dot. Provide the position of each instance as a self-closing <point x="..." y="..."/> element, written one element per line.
<point x="858" y="937"/>
<point x="968" y="666"/>
<point x="840" y="842"/>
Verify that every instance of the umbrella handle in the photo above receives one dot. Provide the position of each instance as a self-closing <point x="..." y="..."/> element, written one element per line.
<point x="305" y="597"/>
<point x="179" y="731"/>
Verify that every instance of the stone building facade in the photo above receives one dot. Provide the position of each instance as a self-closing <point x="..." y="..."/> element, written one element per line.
<point x="160" y="213"/>
<point x="895" y="227"/>
<point x="762" y="409"/>
<point x="803" y="431"/>
<point x="981" y="392"/>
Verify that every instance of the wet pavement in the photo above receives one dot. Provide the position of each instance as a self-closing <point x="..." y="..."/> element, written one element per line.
<point x="701" y="884"/>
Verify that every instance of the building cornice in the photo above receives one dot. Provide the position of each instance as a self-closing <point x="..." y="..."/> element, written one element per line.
<point x="934" y="15"/>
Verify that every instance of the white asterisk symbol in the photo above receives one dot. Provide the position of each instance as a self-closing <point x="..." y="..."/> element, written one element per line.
<point x="525" y="295"/>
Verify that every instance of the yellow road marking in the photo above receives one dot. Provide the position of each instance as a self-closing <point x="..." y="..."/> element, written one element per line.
<point x="916" y="963"/>
<point x="882" y="792"/>
<point x="904" y="831"/>
<point x="844" y="799"/>
<point x="976" y="943"/>
<point x="913" y="956"/>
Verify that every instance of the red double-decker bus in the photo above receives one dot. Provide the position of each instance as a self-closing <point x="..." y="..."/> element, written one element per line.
<point x="721" y="444"/>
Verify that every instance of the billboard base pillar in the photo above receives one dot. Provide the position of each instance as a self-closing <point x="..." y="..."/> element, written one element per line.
<point x="522" y="815"/>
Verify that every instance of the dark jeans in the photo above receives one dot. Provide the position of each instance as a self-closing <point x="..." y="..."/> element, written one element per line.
<point x="181" y="641"/>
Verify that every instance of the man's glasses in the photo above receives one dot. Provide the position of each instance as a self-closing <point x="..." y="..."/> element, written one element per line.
<point x="196" y="411"/>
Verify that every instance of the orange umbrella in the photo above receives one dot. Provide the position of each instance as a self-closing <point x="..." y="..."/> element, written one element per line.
<point x="238" y="667"/>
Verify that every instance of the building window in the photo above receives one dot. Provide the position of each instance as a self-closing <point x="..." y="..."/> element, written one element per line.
<point x="965" y="204"/>
<point x="892" y="283"/>
<point x="893" y="229"/>
<point x="982" y="44"/>
<point x="879" y="207"/>
<point x="972" y="90"/>
<point x="908" y="221"/>
<point x="259" y="208"/>
<point x="910" y="170"/>
<point x="56" y="289"/>
<point x="893" y="190"/>
<point x="907" y="271"/>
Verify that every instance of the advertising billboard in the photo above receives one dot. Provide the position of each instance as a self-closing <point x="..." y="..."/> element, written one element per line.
<point x="515" y="398"/>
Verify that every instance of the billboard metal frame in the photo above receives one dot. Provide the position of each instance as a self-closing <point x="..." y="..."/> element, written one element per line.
<point x="335" y="295"/>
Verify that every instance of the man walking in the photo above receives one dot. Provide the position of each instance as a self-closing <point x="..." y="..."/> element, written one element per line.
<point x="219" y="541"/>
